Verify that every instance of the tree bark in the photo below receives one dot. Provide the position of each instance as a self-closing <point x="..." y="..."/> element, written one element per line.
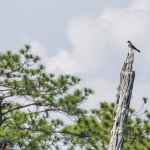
<point x="124" y="94"/>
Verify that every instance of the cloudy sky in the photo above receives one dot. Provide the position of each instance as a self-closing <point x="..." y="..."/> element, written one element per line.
<point x="83" y="37"/>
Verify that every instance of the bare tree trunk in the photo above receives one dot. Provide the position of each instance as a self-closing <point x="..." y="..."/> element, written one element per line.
<point x="127" y="76"/>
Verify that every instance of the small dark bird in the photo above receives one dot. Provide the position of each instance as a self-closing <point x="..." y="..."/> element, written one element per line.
<point x="132" y="46"/>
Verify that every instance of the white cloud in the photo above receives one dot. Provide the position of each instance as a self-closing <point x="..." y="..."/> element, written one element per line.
<point x="98" y="47"/>
<point x="140" y="5"/>
<point x="38" y="49"/>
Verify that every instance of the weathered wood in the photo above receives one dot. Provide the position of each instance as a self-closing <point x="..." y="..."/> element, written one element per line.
<point x="124" y="94"/>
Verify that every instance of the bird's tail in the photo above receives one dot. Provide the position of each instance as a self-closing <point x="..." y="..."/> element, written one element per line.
<point x="138" y="50"/>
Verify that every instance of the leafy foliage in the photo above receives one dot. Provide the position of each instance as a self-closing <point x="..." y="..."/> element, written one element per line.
<point x="28" y="95"/>
<point x="93" y="131"/>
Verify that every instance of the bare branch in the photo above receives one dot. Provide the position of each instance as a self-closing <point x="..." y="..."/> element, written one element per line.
<point x="21" y="107"/>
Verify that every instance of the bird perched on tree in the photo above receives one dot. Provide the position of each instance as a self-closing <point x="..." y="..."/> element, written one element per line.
<point x="132" y="46"/>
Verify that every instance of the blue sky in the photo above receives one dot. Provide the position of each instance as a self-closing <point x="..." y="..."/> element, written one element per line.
<point x="43" y="20"/>
<point x="82" y="37"/>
